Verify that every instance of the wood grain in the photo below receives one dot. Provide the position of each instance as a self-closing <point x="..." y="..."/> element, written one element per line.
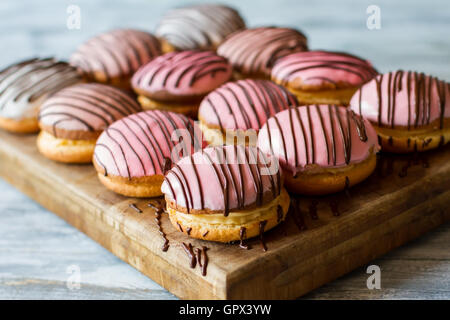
<point x="381" y="214"/>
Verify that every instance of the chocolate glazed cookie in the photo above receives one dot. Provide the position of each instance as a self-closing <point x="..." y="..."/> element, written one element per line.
<point x="25" y="86"/>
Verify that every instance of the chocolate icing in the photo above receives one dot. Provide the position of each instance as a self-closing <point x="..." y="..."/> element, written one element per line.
<point x="23" y="86"/>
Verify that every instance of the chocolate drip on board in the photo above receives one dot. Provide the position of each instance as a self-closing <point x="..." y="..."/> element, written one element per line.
<point x="159" y="209"/>
<point x="242" y="237"/>
<point x="262" y="225"/>
<point x="188" y="249"/>
<point x="135" y="208"/>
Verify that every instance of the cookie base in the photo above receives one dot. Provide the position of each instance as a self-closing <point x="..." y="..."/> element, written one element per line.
<point x="217" y="227"/>
<point x="24" y="126"/>
<point x="330" y="180"/>
<point x="189" y="110"/>
<point x="64" y="150"/>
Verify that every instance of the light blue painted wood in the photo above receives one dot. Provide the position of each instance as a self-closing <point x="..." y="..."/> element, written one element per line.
<point x="36" y="247"/>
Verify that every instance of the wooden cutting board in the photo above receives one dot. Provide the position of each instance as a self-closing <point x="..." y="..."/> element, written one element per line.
<point x="312" y="247"/>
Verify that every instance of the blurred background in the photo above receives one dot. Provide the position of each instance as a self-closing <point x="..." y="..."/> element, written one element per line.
<point x="414" y="34"/>
<point x="37" y="248"/>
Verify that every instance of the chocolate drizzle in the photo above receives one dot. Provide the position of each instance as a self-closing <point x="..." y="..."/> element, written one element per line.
<point x="288" y="69"/>
<point x="116" y="54"/>
<point x="202" y="259"/>
<point x="242" y="237"/>
<point x="135" y="208"/>
<point x="179" y="69"/>
<point x="159" y="209"/>
<point x="85" y="107"/>
<point x="23" y="83"/>
<point x="190" y="253"/>
<point x="313" y="209"/>
<point x="144" y="141"/>
<point x="199" y="26"/>
<point x="248" y="104"/>
<point x="262" y="225"/>
<point x="230" y="177"/>
<point x="254" y="51"/>
<point x="296" y="213"/>
<point x="419" y="91"/>
<point x="341" y="122"/>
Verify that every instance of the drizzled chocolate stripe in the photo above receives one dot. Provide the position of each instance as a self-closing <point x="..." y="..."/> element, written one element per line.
<point x="235" y="174"/>
<point x="118" y="53"/>
<point x="335" y="123"/>
<point x="420" y="91"/>
<point x="199" y="26"/>
<point x="245" y="104"/>
<point x="179" y="69"/>
<point x="254" y="51"/>
<point x="26" y="82"/>
<point x="87" y="106"/>
<point x="314" y="65"/>
<point x="141" y="144"/>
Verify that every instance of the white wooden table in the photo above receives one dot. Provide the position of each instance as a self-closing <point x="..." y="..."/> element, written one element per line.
<point x="37" y="248"/>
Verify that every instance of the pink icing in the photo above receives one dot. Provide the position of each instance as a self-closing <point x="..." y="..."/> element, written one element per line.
<point x="141" y="144"/>
<point x="245" y="104"/>
<point x="323" y="67"/>
<point x="194" y="182"/>
<point x="406" y="99"/>
<point x="185" y="73"/>
<point x="313" y="124"/>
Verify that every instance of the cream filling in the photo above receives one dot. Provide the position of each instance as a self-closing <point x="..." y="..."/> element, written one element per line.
<point x="236" y="217"/>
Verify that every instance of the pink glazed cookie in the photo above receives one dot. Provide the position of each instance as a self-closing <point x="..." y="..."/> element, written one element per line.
<point x="177" y="81"/>
<point x="237" y="110"/>
<point x="409" y="110"/>
<point x="112" y="57"/>
<point x="225" y="193"/>
<point x="326" y="77"/>
<point x="133" y="154"/>
<point x="321" y="148"/>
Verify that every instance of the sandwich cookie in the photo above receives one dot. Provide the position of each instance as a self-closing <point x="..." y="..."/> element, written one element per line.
<point x="73" y="118"/>
<point x="133" y="154"/>
<point x="234" y="113"/>
<point x="114" y="56"/>
<point x="321" y="148"/>
<point x="24" y="87"/>
<point x="177" y="81"/>
<point x="253" y="52"/>
<point x="223" y="193"/>
<point x="409" y="110"/>
<point x="322" y="77"/>
<point x="197" y="27"/>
